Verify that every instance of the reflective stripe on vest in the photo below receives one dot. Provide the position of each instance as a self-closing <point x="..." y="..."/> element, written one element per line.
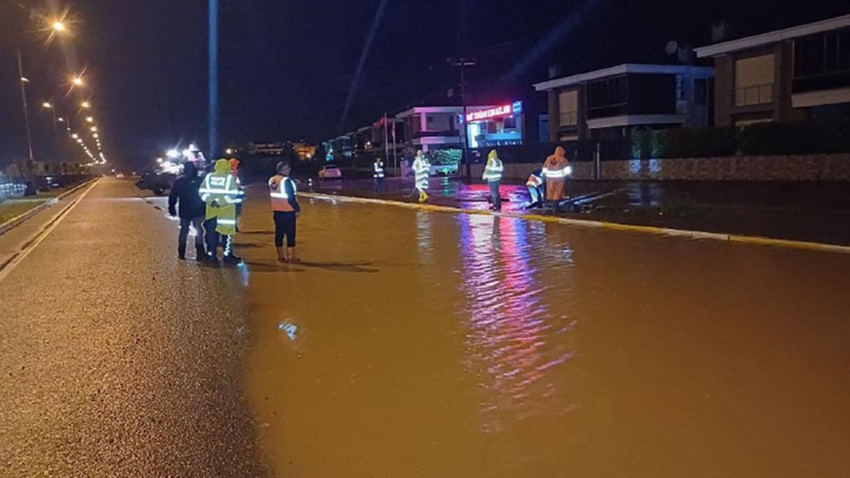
<point x="278" y="195"/>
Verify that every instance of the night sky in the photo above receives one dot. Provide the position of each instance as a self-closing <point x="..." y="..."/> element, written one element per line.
<point x="287" y="66"/>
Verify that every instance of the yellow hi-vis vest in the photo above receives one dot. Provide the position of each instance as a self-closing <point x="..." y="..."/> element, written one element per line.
<point x="221" y="194"/>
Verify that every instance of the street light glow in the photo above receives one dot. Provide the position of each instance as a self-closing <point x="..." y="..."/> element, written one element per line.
<point x="58" y="26"/>
<point x="90" y="119"/>
<point x="86" y="104"/>
<point x="47" y="104"/>
<point x="94" y="128"/>
<point x="78" y="81"/>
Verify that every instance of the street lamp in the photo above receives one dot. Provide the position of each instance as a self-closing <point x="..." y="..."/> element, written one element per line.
<point x="89" y="119"/>
<point x="94" y="129"/>
<point x="78" y="81"/>
<point x="47" y="104"/>
<point x="58" y="26"/>
<point x="86" y="105"/>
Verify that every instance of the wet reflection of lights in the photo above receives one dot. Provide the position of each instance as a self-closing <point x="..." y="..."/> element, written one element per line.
<point x="244" y="274"/>
<point x="513" y="340"/>
<point x="290" y="329"/>
<point x="424" y="234"/>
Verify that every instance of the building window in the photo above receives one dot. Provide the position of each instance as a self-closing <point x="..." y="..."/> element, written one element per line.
<point x="700" y="91"/>
<point x="754" y="80"/>
<point x="608" y="97"/>
<point x="822" y="62"/>
<point x="568" y="107"/>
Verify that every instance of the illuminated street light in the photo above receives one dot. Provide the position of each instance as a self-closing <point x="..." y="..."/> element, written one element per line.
<point x="24" y="80"/>
<point x="86" y="105"/>
<point x="78" y="81"/>
<point x="94" y="129"/>
<point x="90" y="119"/>
<point x="47" y="104"/>
<point x="228" y="151"/>
<point x="58" y="26"/>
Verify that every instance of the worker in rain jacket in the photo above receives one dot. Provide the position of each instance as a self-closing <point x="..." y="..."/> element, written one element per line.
<point x="422" y="169"/>
<point x="221" y="194"/>
<point x="493" y="176"/>
<point x="234" y="170"/>
<point x="185" y="195"/>
<point x="378" y="174"/>
<point x="536" y="188"/>
<point x="555" y="170"/>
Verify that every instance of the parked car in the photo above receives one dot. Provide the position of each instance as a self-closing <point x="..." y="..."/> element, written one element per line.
<point x="330" y="171"/>
<point x="156" y="181"/>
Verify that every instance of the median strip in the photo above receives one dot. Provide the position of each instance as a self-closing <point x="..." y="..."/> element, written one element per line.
<point x="731" y="238"/>
<point x="20" y="219"/>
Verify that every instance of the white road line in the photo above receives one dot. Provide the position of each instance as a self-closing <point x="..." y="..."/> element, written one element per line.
<point x="23" y="253"/>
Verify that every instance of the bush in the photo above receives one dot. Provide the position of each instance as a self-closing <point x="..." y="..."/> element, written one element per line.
<point x="779" y="138"/>
<point x="699" y="142"/>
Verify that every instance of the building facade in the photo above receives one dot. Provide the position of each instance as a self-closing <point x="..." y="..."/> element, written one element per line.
<point x="612" y="102"/>
<point x="788" y="75"/>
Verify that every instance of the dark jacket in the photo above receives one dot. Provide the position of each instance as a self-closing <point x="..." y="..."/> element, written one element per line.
<point x="185" y="192"/>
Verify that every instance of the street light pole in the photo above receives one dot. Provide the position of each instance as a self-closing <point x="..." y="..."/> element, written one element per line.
<point x="213" y="77"/>
<point x="24" y="102"/>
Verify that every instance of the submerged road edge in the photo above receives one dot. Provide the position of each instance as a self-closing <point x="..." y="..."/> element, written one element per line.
<point x="7" y="267"/>
<point x="683" y="233"/>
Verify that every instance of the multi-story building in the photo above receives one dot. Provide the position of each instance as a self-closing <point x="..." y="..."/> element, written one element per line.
<point x="794" y="74"/>
<point x="611" y="102"/>
<point x="433" y="127"/>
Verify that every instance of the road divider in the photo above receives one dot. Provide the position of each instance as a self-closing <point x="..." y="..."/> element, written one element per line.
<point x="682" y="233"/>
<point x="9" y="265"/>
<point x="22" y="218"/>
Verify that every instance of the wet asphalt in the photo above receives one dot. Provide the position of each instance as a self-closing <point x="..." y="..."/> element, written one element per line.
<point x="118" y="360"/>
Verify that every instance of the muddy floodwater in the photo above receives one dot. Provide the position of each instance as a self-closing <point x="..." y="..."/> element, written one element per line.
<point x="422" y="344"/>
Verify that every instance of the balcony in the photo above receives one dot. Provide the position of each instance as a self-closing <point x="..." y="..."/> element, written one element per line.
<point x="754" y="95"/>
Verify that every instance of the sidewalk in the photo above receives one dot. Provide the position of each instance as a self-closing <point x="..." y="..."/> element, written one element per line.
<point x="814" y="212"/>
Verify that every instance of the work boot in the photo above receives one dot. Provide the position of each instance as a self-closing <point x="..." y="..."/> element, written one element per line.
<point x="232" y="259"/>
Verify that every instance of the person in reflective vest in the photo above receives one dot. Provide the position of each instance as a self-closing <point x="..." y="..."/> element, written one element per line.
<point x="378" y="174"/>
<point x="285" y="211"/>
<point x="221" y="195"/>
<point x="493" y="175"/>
<point x="536" y="188"/>
<point x="422" y="170"/>
<point x="555" y="170"/>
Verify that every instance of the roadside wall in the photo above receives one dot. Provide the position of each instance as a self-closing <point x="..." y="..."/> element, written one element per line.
<point x="825" y="167"/>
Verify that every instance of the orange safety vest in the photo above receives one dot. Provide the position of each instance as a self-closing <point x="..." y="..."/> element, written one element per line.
<point x="277" y="193"/>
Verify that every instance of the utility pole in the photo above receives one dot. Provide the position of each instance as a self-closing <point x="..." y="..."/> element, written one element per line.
<point x="23" y="80"/>
<point x="386" y="142"/>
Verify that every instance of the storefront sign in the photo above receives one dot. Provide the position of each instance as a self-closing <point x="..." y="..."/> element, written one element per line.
<point x="497" y="112"/>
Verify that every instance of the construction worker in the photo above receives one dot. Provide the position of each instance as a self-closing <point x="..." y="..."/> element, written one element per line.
<point x="536" y="188"/>
<point x="234" y="170"/>
<point x="493" y="176"/>
<point x="285" y="212"/>
<point x="422" y="170"/>
<point x="221" y="194"/>
<point x="555" y="170"/>
<point x="378" y="174"/>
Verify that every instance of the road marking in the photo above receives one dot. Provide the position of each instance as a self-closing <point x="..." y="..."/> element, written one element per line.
<point x="9" y="266"/>
<point x="683" y="233"/>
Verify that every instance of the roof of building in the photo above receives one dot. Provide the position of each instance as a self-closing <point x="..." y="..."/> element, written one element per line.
<point x="633" y="68"/>
<point x="776" y="36"/>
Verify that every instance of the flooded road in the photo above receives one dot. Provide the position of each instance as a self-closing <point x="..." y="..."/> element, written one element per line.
<point x="413" y="343"/>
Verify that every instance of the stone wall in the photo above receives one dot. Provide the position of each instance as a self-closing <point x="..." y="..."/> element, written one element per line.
<point x="826" y="167"/>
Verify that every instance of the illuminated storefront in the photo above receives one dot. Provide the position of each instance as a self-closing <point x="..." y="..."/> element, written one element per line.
<point x="496" y="126"/>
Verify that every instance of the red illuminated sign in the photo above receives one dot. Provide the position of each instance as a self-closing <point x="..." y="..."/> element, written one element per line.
<point x="496" y="112"/>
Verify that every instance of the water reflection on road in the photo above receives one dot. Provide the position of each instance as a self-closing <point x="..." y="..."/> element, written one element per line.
<point x="485" y="346"/>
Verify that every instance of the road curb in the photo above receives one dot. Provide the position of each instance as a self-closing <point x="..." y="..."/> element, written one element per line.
<point x="18" y="220"/>
<point x="660" y="231"/>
